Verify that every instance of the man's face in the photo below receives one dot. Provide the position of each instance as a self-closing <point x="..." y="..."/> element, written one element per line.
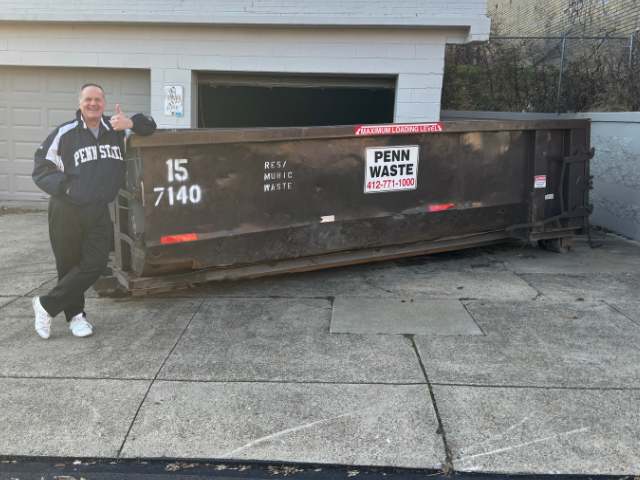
<point x="92" y="104"/>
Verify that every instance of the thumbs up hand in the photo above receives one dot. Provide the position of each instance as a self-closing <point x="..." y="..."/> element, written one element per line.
<point x="120" y="121"/>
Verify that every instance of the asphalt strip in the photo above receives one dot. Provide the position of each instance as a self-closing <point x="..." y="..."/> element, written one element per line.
<point x="51" y="468"/>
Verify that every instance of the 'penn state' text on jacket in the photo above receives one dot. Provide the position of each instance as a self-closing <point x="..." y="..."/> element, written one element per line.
<point x="72" y="162"/>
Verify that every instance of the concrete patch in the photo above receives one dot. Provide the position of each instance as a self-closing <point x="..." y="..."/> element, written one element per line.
<point x="396" y="317"/>
<point x="591" y="287"/>
<point x="284" y="340"/>
<point x="131" y="340"/>
<point x="539" y="344"/>
<point x="383" y="425"/>
<point x="614" y="256"/>
<point x="87" y="418"/>
<point x="17" y="284"/>
<point x="541" y="431"/>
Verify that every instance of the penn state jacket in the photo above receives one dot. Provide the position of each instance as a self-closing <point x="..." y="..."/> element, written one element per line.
<point x="73" y="163"/>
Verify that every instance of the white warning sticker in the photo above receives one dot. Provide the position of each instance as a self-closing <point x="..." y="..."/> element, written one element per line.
<point x="391" y="169"/>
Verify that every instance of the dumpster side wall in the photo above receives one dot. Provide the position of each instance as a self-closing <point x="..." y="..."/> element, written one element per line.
<point x="615" y="166"/>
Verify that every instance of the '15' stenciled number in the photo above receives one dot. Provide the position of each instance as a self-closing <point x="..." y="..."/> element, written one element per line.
<point x="177" y="170"/>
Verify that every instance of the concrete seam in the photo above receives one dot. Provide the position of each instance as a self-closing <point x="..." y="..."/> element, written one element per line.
<point x="472" y="317"/>
<point x="538" y="292"/>
<point x="312" y="382"/>
<point x="536" y="387"/>
<point x="616" y="309"/>
<point x="144" y="398"/>
<point x="448" y="466"/>
<point x="182" y="380"/>
<point x="26" y="295"/>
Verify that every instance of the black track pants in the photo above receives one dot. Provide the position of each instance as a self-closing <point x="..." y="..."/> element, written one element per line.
<point x="81" y="240"/>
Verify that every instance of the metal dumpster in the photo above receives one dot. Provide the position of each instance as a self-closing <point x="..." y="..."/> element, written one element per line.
<point x="202" y="205"/>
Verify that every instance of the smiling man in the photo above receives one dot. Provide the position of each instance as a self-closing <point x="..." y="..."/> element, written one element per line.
<point x="81" y="165"/>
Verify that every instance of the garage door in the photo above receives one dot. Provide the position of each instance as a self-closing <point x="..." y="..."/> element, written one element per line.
<point x="35" y="100"/>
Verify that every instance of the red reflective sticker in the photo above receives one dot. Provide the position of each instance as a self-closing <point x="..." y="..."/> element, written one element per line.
<point x="439" y="207"/>
<point x="184" y="237"/>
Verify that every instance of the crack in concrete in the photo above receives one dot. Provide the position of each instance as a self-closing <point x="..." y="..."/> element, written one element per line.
<point x="448" y="463"/>
<point x="144" y="398"/>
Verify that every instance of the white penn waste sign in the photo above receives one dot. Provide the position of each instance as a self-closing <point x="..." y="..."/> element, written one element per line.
<point x="391" y="169"/>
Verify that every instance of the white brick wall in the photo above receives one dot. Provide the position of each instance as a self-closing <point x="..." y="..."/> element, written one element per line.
<point x="459" y="13"/>
<point x="172" y="53"/>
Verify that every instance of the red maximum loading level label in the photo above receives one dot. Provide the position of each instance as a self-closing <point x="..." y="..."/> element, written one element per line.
<point x="399" y="129"/>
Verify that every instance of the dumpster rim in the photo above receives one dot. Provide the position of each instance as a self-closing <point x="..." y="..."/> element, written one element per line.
<point x="199" y="136"/>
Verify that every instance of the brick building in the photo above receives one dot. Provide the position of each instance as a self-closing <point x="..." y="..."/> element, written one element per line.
<point x="557" y="17"/>
<point x="222" y="63"/>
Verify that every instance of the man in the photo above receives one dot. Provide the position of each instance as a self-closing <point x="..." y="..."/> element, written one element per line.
<point x="81" y="165"/>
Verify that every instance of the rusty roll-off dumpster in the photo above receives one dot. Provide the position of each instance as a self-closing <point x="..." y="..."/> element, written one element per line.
<point x="211" y="204"/>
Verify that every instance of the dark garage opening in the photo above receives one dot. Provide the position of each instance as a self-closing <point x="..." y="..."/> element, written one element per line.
<point x="293" y="101"/>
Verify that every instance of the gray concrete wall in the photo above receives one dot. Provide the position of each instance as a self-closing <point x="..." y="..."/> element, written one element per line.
<point x="615" y="167"/>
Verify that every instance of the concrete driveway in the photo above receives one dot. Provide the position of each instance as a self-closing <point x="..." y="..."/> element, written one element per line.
<point x="499" y="359"/>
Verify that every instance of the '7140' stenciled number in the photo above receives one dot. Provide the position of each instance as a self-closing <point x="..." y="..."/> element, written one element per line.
<point x="185" y="194"/>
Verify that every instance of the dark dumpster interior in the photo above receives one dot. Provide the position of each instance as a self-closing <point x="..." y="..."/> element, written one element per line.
<point x="226" y="101"/>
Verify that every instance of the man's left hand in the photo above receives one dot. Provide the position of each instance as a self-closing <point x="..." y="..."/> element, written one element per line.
<point x="120" y="121"/>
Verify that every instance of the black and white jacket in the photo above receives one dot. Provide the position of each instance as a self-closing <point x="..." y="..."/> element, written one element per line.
<point x="73" y="163"/>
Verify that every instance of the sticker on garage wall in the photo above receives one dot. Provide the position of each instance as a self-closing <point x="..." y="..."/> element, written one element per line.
<point x="540" y="181"/>
<point x="398" y="129"/>
<point x="391" y="169"/>
<point x="173" y="100"/>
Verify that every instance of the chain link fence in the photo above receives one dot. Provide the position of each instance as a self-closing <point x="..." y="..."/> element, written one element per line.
<point x="544" y="74"/>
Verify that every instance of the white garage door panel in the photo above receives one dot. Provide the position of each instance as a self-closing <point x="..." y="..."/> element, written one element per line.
<point x="57" y="116"/>
<point x="33" y="101"/>
<point x="25" y="117"/>
<point x="24" y="151"/>
<point x="23" y="184"/>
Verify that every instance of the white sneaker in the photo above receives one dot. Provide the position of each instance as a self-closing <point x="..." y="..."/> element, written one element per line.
<point x="43" y="319"/>
<point x="79" y="326"/>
